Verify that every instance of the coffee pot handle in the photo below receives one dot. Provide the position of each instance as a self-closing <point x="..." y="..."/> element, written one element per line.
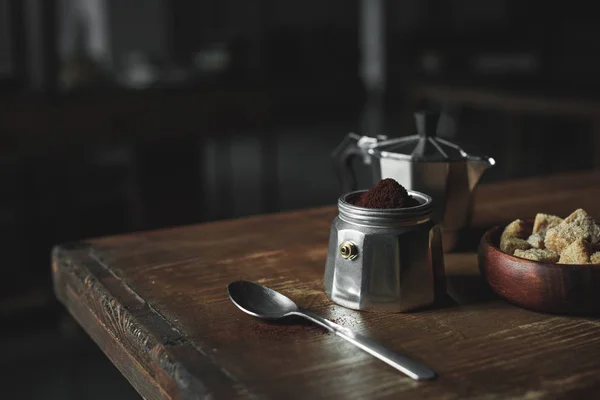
<point x="343" y="156"/>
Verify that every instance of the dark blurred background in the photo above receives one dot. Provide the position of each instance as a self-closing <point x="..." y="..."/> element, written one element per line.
<point x="123" y="115"/>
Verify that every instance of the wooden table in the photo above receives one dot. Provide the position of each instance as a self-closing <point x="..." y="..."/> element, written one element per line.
<point x="156" y="303"/>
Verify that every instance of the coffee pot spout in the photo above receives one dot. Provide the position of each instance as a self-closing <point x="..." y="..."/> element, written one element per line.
<point x="476" y="167"/>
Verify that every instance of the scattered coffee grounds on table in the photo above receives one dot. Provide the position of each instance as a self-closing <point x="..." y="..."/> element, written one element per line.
<point x="283" y="331"/>
<point x="386" y="194"/>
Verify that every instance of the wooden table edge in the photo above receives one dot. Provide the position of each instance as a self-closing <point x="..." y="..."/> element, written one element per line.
<point x="85" y="287"/>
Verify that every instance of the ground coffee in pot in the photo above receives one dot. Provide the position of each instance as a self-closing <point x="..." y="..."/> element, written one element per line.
<point x="386" y="194"/>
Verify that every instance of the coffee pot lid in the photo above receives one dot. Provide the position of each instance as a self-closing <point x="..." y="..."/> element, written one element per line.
<point x="424" y="146"/>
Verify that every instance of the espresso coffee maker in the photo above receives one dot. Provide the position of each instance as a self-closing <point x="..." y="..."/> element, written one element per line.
<point x="423" y="162"/>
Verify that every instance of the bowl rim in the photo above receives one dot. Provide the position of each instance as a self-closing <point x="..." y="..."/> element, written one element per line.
<point x="487" y="240"/>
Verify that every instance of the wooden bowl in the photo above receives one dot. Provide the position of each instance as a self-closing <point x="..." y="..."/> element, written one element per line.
<point x="539" y="286"/>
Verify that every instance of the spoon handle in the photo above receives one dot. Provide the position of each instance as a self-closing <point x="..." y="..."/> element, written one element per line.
<point x="402" y="363"/>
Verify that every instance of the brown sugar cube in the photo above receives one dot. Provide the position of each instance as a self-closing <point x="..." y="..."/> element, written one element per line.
<point x="577" y="215"/>
<point x="578" y="225"/>
<point x="554" y="241"/>
<point x="595" y="258"/>
<point x="537" y="255"/>
<point x="510" y="244"/>
<point x="543" y="222"/>
<point x="581" y="218"/>
<point x="515" y="229"/>
<point x="536" y="241"/>
<point x="560" y="237"/>
<point x="577" y="252"/>
<point x="513" y="237"/>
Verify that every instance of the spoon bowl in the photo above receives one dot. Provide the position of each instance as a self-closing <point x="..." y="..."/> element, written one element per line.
<point x="260" y="301"/>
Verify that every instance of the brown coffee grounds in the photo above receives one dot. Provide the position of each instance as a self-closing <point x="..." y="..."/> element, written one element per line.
<point x="277" y="331"/>
<point x="345" y="321"/>
<point x="386" y="194"/>
<point x="298" y="328"/>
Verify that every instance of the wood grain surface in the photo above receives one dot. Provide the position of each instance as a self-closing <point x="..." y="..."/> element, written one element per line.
<point x="156" y="303"/>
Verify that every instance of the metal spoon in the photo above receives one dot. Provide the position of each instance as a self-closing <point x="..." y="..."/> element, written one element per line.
<point x="262" y="302"/>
